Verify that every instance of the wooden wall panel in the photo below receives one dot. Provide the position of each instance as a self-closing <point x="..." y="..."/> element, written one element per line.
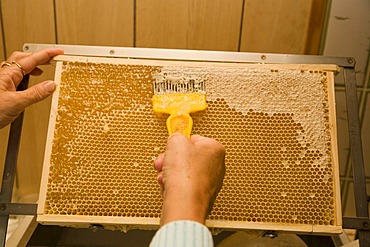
<point x="27" y="21"/>
<point x="279" y="26"/>
<point x="95" y="22"/>
<point x="3" y="132"/>
<point x="2" y="50"/>
<point x="189" y="24"/>
<point x="30" y="21"/>
<point x="316" y="27"/>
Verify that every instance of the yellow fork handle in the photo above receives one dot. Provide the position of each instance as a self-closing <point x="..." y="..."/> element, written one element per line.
<point x="179" y="124"/>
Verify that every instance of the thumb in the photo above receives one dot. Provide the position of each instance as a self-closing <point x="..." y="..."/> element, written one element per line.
<point x="196" y="138"/>
<point x="36" y="93"/>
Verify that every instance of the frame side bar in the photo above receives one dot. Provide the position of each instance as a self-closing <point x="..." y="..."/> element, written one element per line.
<point x="192" y="55"/>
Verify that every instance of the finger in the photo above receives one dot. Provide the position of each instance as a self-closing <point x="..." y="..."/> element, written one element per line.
<point x="176" y="138"/>
<point x="177" y="148"/>
<point x="158" y="163"/>
<point x="4" y="64"/>
<point x="196" y="138"/>
<point x="30" y="62"/>
<point x="160" y="182"/>
<point x="15" y="56"/>
<point x="36" y="93"/>
<point x="172" y="135"/>
<point x="160" y="178"/>
<point x="162" y="190"/>
<point x="10" y="77"/>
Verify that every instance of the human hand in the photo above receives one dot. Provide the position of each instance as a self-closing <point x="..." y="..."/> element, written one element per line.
<point x="12" y="103"/>
<point x="190" y="174"/>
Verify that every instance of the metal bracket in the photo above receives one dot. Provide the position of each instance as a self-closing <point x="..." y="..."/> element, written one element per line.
<point x="359" y="223"/>
<point x="192" y="55"/>
<point x="18" y="209"/>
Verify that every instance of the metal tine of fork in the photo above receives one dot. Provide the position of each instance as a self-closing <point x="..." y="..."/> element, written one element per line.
<point x="178" y="86"/>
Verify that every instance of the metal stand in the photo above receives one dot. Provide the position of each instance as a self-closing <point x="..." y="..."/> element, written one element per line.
<point x="6" y="207"/>
<point x="361" y="222"/>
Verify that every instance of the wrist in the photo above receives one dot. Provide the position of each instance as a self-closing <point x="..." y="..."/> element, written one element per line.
<point x="184" y="206"/>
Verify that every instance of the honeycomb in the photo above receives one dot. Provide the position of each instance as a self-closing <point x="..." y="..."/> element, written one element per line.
<point x="277" y="123"/>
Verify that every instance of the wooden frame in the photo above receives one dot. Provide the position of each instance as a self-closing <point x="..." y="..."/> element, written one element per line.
<point x="124" y="223"/>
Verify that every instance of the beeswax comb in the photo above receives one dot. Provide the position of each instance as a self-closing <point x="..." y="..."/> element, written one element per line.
<point x="179" y="97"/>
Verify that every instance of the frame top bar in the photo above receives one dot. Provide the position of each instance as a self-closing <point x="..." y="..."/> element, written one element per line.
<point x="192" y="55"/>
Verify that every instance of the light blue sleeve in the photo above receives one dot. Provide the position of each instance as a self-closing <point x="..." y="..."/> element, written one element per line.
<point x="183" y="233"/>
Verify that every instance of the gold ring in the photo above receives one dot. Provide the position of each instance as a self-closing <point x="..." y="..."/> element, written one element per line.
<point x="5" y="63"/>
<point x="20" y="67"/>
